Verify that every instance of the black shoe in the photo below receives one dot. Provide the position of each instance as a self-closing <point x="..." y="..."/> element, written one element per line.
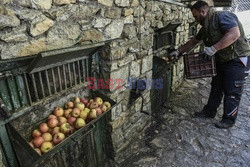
<point x="203" y="114"/>
<point x="223" y="124"/>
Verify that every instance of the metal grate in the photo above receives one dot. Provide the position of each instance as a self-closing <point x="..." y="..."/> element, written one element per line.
<point x="23" y="89"/>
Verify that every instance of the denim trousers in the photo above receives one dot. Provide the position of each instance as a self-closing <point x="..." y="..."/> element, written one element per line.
<point x="229" y="82"/>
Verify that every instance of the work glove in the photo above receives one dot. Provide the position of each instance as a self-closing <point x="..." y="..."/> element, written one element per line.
<point x="208" y="53"/>
<point x="174" y="54"/>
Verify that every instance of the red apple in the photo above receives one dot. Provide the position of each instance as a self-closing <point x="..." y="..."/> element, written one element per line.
<point x="38" y="141"/>
<point x="75" y="112"/>
<point x="52" y="122"/>
<point x="71" y="120"/>
<point x="104" y="108"/>
<point x="58" y="111"/>
<point x="43" y="127"/>
<point x="84" y="101"/>
<point x="58" y="137"/>
<point x="47" y="136"/>
<point x="99" y="111"/>
<point x="36" y="133"/>
<point x="93" y="105"/>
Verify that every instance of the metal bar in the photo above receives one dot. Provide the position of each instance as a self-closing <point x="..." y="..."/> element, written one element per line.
<point x="34" y="84"/>
<point x="41" y="83"/>
<point x="83" y="70"/>
<point x="79" y="72"/>
<point x="64" y="77"/>
<point x="27" y="88"/>
<point x="11" y="84"/>
<point x="47" y="81"/>
<point x="4" y="95"/>
<point x="69" y="72"/>
<point x="54" y="80"/>
<point x="59" y="78"/>
<point x="74" y="72"/>
<point x="87" y="67"/>
<point x="21" y="90"/>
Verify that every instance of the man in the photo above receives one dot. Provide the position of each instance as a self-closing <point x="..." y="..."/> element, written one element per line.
<point x="224" y="38"/>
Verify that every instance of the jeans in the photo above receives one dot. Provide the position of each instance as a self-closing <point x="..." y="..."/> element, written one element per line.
<point x="229" y="82"/>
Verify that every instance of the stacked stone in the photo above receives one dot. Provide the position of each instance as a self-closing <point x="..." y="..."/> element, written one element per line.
<point x="29" y="27"/>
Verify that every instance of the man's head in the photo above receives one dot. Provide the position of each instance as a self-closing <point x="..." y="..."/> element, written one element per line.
<point x="200" y="10"/>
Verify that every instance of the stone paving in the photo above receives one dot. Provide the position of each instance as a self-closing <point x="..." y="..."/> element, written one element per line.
<point x="176" y="138"/>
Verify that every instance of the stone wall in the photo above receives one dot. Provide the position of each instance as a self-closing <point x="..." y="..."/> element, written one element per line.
<point x="29" y="27"/>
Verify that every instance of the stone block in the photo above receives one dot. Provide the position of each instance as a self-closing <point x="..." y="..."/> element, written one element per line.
<point x="147" y="64"/>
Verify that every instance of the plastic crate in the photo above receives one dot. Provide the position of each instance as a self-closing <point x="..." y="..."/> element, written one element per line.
<point x="196" y="67"/>
<point x="87" y="147"/>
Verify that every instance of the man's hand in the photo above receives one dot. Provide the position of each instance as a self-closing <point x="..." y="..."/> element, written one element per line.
<point x="210" y="51"/>
<point x="174" y="54"/>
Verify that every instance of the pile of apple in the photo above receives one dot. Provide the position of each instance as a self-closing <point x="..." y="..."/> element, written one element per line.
<point x="66" y="120"/>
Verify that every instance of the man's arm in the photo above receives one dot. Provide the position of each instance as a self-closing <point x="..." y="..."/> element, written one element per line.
<point x="189" y="45"/>
<point x="230" y="37"/>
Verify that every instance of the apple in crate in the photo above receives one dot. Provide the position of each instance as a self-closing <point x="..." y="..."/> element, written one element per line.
<point x="84" y="101"/>
<point x="43" y="127"/>
<point x="76" y="100"/>
<point x="92" y="114"/>
<point x="67" y="113"/>
<point x="84" y="114"/>
<point x="103" y="108"/>
<point x="58" y="137"/>
<point x="71" y="120"/>
<point x="98" y="100"/>
<point x="93" y="105"/>
<point x="52" y="116"/>
<point x="55" y="130"/>
<point x="75" y="112"/>
<point x="47" y="136"/>
<point x="58" y="111"/>
<point x="46" y="146"/>
<point x="107" y="104"/>
<point x="98" y="111"/>
<point x="65" y="128"/>
<point x="52" y="122"/>
<point x="38" y="141"/>
<point x="69" y="104"/>
<point x="36" y="133"/>
<point x="62" y="120"/>
<point x="80" y="106"/>
<point x="79" y="123"/>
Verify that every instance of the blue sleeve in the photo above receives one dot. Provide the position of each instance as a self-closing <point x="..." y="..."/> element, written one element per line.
<point x="227" y="20"/>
